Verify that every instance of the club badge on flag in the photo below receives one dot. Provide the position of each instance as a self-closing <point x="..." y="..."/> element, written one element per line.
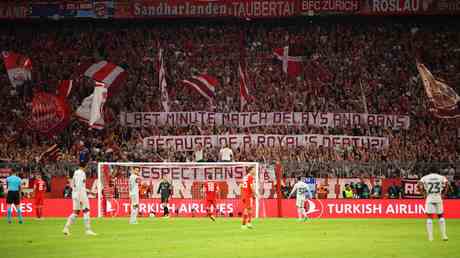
<point x="49" y="114"/>
<point x="444" y="100"/>
<point x="292" y="65"/>
<point x="19" y="67"/>
<point x="204" y="84"/>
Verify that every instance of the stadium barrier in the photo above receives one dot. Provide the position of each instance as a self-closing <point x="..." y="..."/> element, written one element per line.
<point x="316" y="208"/>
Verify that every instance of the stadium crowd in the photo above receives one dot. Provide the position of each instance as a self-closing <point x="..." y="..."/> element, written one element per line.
<point x="380" y="54"/>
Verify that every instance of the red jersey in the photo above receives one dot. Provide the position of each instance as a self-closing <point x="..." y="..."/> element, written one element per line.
<point x="39" y="187"/>
<point x="210" y="189"/>
<point x="248" y="182"/>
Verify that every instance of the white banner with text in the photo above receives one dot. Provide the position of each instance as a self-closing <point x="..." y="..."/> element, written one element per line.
<point x="253" y="119"/>
<point x="190" y="142"/>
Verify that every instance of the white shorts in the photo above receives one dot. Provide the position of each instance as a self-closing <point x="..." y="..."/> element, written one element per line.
<point x="80" y="203"/>
<point x="434" y="208"/>
<point x="300" y="202"/>
<point x="134" y="199"/>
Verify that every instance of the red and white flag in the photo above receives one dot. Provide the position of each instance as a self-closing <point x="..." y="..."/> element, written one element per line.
<point x="162" y="82"/>
<point x="245" y="97"/>
<point x="91" y="110"/>
<point x="64" y="88"/>
<point x="110" y="74"/>
<point x="19" y="67"/>
<point x="444" y="100"/>
<point x="204" y="84"/>
<point x="292" y="65"/>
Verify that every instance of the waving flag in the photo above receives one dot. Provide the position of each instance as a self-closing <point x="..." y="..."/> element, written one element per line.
<point x="91" y="110"/>
<point x="292" y="65"/>
<point x="110" y="74"/>
<point x="49" y="114"/>
<point x="245" y="97"/>
<point x="204" y="84"/>
<point x="108" y="77"/>
<point x="19" y="67"/>
<point x="444" y="100"/>
<point x="162" y="81"/>
<point x="53" y="153"/>
<point x="64" y="88"/>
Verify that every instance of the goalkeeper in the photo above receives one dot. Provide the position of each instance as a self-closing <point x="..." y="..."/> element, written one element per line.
<point x="165" y="190"/>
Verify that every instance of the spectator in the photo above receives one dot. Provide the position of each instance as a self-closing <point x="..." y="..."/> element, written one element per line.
<point x="199" y="153"/>
<point x="376" y="191"/>
<point x="67" y="191"/>
<point x="226" y="154"/>
<point x="347" y="193"/>
<point x="394" y="192"/>
<point x="365" y="192"/>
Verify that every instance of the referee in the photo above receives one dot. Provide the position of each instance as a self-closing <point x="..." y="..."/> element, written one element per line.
<point x="13" y="197"/>
<point x="165" y="189"/>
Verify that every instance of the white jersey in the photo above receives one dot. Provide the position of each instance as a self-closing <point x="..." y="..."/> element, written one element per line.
<point x="434" y="185"/>
<point x="302" y="189"/>
<point x="226" y="154"/>
<point x="79" y="196"/>
<point x="79" y="183"/>
<point x="133" y="184"/>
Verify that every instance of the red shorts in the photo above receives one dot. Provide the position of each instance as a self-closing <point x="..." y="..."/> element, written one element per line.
<point x="39" y="200"/>
<point x="210" y="202"/>
<point x="247" y="202"/>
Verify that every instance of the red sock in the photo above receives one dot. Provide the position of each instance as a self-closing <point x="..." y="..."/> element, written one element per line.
<point x="244" y="218"/>
<point x="249" y="217"/>
<point x="37" y="212"/>
<point x="41" y="212"/>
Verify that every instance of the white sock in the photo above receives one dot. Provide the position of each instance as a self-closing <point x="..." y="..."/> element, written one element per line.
<point x="429" y="228"/>
<point x="299" y="212"/>
<point x="133" y="215"/>
<point x="304" y="213"/>
<point x="442" y="227"/>
<point x="86" y="221"/>
<point x="70" y="220"/>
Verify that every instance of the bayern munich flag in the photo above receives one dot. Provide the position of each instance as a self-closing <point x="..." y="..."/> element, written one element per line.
<point x="19" y="67"/>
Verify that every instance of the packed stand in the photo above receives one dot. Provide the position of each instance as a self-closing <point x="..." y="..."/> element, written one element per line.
<point x="379" y="55"/>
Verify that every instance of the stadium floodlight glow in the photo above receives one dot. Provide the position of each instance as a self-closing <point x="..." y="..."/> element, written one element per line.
<point x="183" y="175"/>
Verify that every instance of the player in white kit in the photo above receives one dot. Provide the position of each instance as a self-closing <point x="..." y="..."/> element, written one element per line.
<point x="134" y="181"/>
<point x="80" y="201"/>
<point x="433" y="186"/>
<point x="302" y="189"/>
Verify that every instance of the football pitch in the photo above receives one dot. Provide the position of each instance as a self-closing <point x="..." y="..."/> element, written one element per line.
<point x="200" y="237"/>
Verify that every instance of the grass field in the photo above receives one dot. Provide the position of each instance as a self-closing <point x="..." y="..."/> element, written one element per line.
<point x="177" y="237"/>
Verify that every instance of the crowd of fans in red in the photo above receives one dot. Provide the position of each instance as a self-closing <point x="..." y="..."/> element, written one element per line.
<point x="381" y="54"/>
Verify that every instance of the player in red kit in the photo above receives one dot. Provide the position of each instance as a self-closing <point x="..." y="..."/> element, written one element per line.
<point x="211" y="189"/>
<point x="39" y="193"/>
<point x="247" y="197"/>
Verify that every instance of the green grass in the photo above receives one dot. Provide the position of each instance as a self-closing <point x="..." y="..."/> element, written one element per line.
<point x="176" y="237"/>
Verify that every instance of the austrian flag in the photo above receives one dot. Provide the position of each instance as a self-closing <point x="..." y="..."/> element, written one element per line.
<point x="292" y="65"/>
<point x="204" y="84"/>
<point x="108" y="73"/>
